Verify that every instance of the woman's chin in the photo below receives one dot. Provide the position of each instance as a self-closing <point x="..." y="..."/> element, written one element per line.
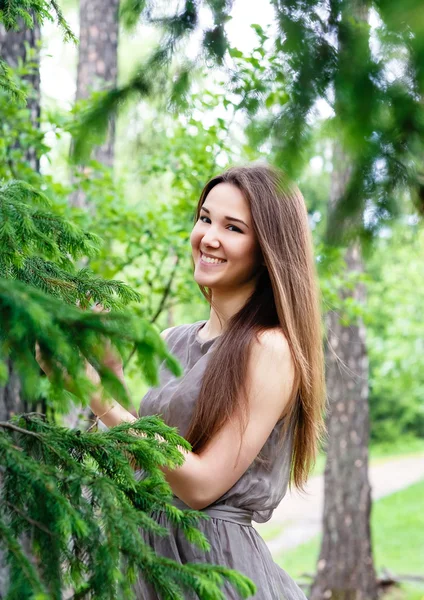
<point x="204" y="279"/>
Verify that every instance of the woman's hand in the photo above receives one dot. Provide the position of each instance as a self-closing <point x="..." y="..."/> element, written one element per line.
<point x="111" y="358"/>
<point x="111" y="412"/>
<point x="39" y="359"/>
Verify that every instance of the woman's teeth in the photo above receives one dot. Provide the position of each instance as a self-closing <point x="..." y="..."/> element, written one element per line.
<point x="212" y="261"/>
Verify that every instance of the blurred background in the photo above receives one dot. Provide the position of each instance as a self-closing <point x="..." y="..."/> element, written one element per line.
<point x="126" y="128"/>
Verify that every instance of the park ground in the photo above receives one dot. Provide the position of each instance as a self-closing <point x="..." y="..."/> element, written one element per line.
<point x="397" y="522"/>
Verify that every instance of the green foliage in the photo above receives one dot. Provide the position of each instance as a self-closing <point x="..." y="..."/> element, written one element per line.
<point x="377" y="117"/>
<point x="37" y="247"/>
<point x="68" y="336"/>
<point x="378" y="114"/>
<point x="396" y="524"/>
<point x="15" y="14"/>
<point x="28" y="228"/>
<point x="94" y="115"/>
<point x="21" y="13"/>
<point x="76" y="497"/>
<point x="8" y="84"/>
<point x="155" y="77"/>
<point x="20" y="138"/>
<point x="395" y="336"/>
<point x="130" y="12"/>
<point x="145" y="230"/>
<point x="69" y="499"/>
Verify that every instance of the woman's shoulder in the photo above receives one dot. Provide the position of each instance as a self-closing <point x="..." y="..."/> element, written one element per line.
<point x="271" y="340"/>
<point x="270" y="352"/>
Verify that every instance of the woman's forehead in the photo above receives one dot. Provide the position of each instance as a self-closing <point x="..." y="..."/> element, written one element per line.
<point x="227" y="200"/>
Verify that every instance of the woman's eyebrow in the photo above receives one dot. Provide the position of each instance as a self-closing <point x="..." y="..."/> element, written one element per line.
<point x="229" y="218"/>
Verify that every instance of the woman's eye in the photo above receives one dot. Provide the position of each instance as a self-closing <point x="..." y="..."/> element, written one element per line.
<point x="229" y="226"/>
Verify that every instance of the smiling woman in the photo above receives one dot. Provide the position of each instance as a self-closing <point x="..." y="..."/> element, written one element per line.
<point x="217" y="241"/>
<point x="251" y="398"/>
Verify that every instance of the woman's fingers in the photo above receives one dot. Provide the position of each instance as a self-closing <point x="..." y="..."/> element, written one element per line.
<point x="99" y="308"/>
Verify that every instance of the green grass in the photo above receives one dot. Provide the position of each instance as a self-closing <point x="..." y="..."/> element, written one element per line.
<point x="405" y="592"/>
<point x="397" y="525"/>
<point x="405" y="446"/>
<point x="398" y="531"/>
<point x="271" y="530"/>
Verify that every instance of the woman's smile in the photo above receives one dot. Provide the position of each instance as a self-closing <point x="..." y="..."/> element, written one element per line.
<point x="207" y="260"/>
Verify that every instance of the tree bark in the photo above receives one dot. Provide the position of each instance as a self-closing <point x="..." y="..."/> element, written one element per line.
<point x="98" y="67"/>
<point x="345" y="566"/>
<point x="15" y="47"/>
<point x="97" y="70"/>
<point x="13" y="50"/>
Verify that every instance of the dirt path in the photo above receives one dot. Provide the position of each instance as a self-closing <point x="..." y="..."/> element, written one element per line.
<point x="299" y="516"/>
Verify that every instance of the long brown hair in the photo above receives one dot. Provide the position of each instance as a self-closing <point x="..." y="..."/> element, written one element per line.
<point x="286" y="296"/>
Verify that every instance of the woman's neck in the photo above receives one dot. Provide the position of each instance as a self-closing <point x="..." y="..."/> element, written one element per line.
<point x="225" y="306"/>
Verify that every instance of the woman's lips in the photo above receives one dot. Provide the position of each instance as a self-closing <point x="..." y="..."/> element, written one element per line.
<point x="208" y="264"/>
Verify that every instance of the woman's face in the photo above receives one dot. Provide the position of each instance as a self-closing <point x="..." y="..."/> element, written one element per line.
<point x="224" y="231"/>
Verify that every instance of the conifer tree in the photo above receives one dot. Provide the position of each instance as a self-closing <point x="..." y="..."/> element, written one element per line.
<point x="21" y="46"/>
<point x="345" y="565"/>
<point x="97" y="68"/>
<point x="74" y="495"/>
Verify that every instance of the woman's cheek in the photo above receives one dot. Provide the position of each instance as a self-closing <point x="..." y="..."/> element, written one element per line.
<point x="194" y="238"/>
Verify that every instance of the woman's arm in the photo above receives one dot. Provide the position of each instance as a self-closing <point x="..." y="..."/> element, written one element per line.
<point x="110" y="412"/>
<point x="206" y="476"/>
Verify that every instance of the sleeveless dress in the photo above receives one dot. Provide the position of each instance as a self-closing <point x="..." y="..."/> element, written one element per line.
<point x="235" y="543"/>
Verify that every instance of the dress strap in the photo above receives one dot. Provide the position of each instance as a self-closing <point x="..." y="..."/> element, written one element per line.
<point x="225" y="512"/>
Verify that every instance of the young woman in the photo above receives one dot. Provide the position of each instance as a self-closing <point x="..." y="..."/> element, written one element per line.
<point x="251" y="399"/>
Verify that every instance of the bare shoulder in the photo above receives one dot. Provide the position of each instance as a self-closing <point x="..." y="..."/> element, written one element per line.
<point x="270" y="373"/>
<point x="272" y="343"/>
<point x="271" y="357"/>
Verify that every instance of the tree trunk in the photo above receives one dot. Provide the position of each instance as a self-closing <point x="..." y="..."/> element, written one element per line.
<point x="345" y="566"/>
<point x="97" y="70"/>
<point x="13" y="49"/>
<point x="98" y="66"/>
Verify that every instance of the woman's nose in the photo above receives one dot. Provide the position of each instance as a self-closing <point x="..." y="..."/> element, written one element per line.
<point x="211" y="238"/>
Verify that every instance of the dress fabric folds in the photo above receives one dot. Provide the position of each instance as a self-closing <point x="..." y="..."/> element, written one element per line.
<point x="235" y="543"/>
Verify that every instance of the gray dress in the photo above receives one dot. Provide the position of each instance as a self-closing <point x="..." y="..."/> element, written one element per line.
<point x="234" y="541"/>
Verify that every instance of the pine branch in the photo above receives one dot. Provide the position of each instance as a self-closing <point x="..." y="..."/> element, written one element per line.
<point x="153" y="76"/>
<point x="75" y="492"/>
<point x="15" y="14"/>
<point x="68" y="34"/>
<point x="7" y="425"/>
<point x="130" y="12"/>
<point x="8" y="84"/>
<point x="67" y="337"/>
<point x="26" y="227"/>
<point x="21" y="513"/>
